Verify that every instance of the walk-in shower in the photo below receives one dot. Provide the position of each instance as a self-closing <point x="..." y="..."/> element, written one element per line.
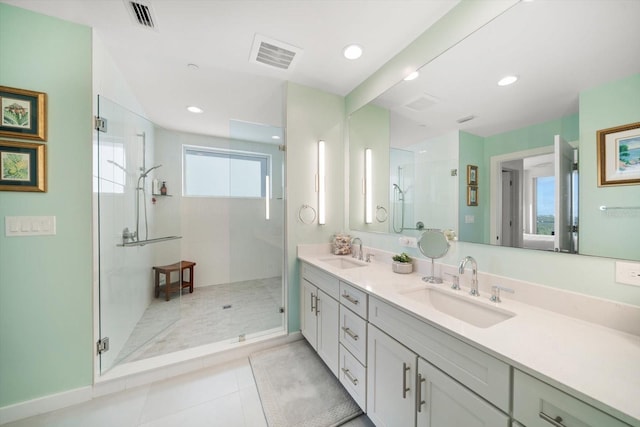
<point x="138" y="230"/>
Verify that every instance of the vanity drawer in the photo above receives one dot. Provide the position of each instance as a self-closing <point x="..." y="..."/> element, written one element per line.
<point x="537" y="404"/>
<point x="477" y="370"/>
<point x="327" y="283"/>
<point x="354" y="299"/>
<point x="353" y="377"/>
<point x="353" y="334"/>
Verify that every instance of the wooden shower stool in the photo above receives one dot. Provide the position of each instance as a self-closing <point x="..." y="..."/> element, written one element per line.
<point x="170" y="286"/>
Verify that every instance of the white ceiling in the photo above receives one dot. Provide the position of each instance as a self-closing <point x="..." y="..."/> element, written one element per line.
<point x="558" y="49"/>
<point x="218" y="37"/>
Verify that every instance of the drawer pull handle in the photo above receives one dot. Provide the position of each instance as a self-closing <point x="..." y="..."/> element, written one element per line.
<point x="556" y="422"/>
<point x="419" y="401"/>
<point x="350" y="333"/>
<point x="405" y="389"/>
<point x="347" y="373"/>
<point x="349" y="298"/>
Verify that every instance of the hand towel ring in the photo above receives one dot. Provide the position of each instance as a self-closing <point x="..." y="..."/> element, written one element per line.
<point x="302" y="208"/>
<point x="381" y="213"/>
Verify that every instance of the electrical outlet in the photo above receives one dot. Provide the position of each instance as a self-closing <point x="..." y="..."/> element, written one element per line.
<point x="408" y="242"/>
<point x="628" y="273"/>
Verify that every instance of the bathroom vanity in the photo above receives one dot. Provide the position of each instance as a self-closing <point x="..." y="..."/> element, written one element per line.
<point x="414" y="353"/>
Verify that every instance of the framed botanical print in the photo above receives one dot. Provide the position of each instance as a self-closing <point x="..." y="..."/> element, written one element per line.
<point x="23" y="114"/>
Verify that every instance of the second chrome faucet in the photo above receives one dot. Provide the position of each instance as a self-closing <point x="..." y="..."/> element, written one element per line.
<point x="474" y="273"/>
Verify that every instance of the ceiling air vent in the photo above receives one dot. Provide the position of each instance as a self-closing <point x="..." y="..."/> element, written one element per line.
<point x="142" y="14"/>
<point x="273" y="53"/>
<point x="422" y="103"/>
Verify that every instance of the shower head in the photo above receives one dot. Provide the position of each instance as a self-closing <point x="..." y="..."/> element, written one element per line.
<point x="144" y="175"/>
<point x="398" y="188"/>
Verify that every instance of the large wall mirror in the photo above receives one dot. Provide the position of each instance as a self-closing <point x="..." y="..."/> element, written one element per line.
<point x="512" y="165"/>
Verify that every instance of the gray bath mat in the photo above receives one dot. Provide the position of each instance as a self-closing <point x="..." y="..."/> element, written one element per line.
<point x="297" y="389"/>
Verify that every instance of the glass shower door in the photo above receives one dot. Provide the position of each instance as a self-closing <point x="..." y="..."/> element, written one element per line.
<point x="137" y="231"/>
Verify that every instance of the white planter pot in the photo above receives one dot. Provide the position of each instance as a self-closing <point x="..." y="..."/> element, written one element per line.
<point x="402" y="267"/>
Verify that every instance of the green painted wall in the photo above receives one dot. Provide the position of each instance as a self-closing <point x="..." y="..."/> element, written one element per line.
<point x="611" y="105"/>
<point x="470" y="152"/>
<point x="311" y="115"/>
<point x="46" y="333"/>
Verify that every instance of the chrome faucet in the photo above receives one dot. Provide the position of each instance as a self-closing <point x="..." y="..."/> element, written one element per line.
<point x="353" y="254"/>
<point x="474" y="272"/>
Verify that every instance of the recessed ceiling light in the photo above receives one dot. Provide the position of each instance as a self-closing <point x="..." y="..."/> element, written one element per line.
<point x="412" y="76"/>
<point x="275" y="137"/>
<point x="507" y="80"/>
<point x="194" y="109"/>
<point x="353" y="51"/>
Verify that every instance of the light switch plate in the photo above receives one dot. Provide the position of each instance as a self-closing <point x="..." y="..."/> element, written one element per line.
<point x="16" y="226"/>
<point x="628" y="273"/>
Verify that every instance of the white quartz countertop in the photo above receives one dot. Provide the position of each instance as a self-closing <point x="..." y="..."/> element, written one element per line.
<point x="598" y="365"/>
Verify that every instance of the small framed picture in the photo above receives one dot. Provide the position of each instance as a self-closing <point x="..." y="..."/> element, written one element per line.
<point x="23" y="114"/>
<point x="472" y="175"/>
<point x="619" y="155"/>
<point x="472" y="195"/>
<point x="23" y="166"/>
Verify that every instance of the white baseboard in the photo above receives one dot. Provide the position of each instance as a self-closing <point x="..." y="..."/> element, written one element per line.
<point x="141" y="373"/>
<point x="44" y="404"/>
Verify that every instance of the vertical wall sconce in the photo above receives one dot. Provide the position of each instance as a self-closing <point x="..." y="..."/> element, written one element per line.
<point x="321" y="183"/>
<point x="368" y="187"/>
<point x="267" y="194"/>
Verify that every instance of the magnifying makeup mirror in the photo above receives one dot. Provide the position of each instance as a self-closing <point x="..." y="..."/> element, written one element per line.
<point x="433" y="244"/>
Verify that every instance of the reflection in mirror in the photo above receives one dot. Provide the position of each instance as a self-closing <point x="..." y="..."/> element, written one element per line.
<point x="573" y="81"/>
<point x="433" y="244"/>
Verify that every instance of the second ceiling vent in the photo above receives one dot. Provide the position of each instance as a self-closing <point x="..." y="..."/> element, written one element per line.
<point x="141" y="13"/>
<point x="274" y="53"/>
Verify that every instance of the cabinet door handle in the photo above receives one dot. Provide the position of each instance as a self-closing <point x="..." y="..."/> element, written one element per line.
<point x="312" y="306"/>
<point x="350" y="333"/>
<point x="317" y="304"/>
<point x="349" y="298"/>
<point x="556" y="422"/>
<point x="405" y="389"/>
<point x="347" y="373"/>
<point x="419" y="401"/>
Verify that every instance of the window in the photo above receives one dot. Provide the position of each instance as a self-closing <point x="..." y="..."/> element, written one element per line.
<point x="109" y="166"/>
<point x="210" y="172"/>
<point x="545" y="205"/>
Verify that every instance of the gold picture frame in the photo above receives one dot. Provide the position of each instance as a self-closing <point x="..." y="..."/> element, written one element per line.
<point x="472" y="195"/>
<point x="23" y="166"/>
<point x="619" y="155"/>
<point x="472" y="175"/>
<point x="23" y="114"/>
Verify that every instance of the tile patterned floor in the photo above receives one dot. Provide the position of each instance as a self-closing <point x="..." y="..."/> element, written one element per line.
<point x="200" y="318"/>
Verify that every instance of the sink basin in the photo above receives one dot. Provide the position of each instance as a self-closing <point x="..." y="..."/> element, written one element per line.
<point x="343" y="263"/>
<point x="462" y="308"/>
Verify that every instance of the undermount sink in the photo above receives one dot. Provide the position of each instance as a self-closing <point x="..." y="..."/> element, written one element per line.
<point x="343" y="263"/>
<point x="461" y="307"/>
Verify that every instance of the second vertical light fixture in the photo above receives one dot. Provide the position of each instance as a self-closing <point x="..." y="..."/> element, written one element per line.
<point x="321" y="184"/>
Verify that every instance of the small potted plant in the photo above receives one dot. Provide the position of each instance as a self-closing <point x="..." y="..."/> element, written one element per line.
<point x="402" y="264"/>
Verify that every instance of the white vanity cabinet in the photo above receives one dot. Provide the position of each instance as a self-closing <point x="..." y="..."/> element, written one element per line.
<point x="443" y="402"/>
<point x="320" y="314"/>
<point x="391" y="374"/>
<point x="353" y="342"/>
<point x="537" y="404"/>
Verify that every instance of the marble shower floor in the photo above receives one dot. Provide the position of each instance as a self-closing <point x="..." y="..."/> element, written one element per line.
<point x="201" y="318"/>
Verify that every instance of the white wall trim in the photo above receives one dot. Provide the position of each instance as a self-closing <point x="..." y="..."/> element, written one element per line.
<point x="44" y="404"/>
